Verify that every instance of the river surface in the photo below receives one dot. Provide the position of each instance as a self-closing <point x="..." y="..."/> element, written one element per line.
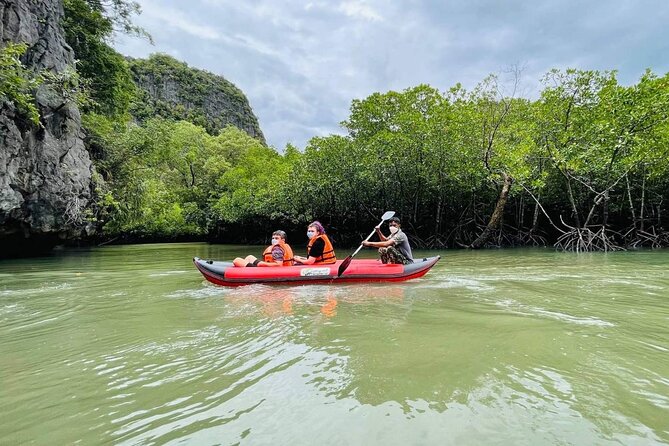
<point x="129" y="345"/>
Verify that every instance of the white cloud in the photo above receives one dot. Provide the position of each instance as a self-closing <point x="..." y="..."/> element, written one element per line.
<point x="176" y="19"/>
<point x="359" y="10"/>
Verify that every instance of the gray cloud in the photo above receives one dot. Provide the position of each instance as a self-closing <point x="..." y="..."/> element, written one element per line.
<point x="301" y="63"/>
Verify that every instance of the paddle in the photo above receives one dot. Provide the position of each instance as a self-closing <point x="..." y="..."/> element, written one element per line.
<point x="347" y="260"/>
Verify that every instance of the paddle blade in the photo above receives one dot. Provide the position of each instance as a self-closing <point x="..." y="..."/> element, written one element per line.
<point x="344" y="265"/>
<point x="387" y="215"/>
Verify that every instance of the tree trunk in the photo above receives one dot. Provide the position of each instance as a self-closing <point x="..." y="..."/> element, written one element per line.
<point x="643" y="199"/>
<point x="629" y="197"/>
<point x="535" y="217"/>
<point x="572" y="201"/>
<point x="437" y="222"/>
<point x="496" y="217"/>
<point x="415" y="206"/>
<point x="521" y="214"/>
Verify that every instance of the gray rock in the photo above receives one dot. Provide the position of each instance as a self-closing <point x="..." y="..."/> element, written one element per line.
<point x="172" y="89"/>
<point x="45" y="172"/>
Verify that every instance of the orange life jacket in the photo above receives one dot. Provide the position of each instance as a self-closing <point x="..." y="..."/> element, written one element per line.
<point x="328" y="252"/>
<point x="287" y="254"/>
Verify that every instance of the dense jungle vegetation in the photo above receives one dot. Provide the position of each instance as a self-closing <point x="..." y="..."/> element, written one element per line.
<point x="583" y="167"/>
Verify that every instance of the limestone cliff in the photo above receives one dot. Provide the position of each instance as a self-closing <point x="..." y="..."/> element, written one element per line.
<point x="45" y="171"/>
<point x="172" y="89"/>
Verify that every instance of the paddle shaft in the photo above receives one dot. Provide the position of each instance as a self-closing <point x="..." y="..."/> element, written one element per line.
<point x="368" y="237"/>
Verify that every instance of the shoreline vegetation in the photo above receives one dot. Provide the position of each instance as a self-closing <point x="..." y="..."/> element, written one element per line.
<point x="584" y="167"/>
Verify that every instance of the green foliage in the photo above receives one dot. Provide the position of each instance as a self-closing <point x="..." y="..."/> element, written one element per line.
<point x="418" y="143"/>
<point x="254" y="185"/>
<point x="119" y="15"/>
<point x="172" y="178"/>
<point x="596" y="132"/>
<point x="87" y="29"/>
<point x="17" y="84"/>
<point x="69" y="85"/>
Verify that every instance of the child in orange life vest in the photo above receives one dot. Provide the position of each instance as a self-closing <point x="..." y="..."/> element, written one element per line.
<point x="278" y="253"/>
<point x="319" y="249"/>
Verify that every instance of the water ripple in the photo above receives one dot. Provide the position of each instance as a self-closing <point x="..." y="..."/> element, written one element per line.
<point x="526" y="310"/>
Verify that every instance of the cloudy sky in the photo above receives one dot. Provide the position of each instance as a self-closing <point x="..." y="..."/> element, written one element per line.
<point x="300" y="63"/>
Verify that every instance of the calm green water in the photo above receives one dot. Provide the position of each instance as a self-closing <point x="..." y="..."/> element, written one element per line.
<point x="128" y="345"/>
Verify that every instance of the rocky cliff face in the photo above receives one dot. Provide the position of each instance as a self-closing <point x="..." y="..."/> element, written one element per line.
<point x="45" y="172"/>
<point x="172" y="89"/>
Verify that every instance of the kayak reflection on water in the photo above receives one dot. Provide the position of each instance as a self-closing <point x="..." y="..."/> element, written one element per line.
<point x="288" y="301"/>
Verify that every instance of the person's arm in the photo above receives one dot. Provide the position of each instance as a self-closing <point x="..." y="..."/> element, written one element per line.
<point x="316" y="251"/>
<point x="381" y="244"/>
<point x="305" y="260"/>
<point x="382" y="237"/>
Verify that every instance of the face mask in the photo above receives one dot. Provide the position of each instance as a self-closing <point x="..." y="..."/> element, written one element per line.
<point x="275" y="241"/>
<point x="311" y="234"/>
<point x="393" y="229"/>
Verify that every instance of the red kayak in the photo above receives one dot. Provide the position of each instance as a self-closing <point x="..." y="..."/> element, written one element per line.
<point x="364" y="270"/>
